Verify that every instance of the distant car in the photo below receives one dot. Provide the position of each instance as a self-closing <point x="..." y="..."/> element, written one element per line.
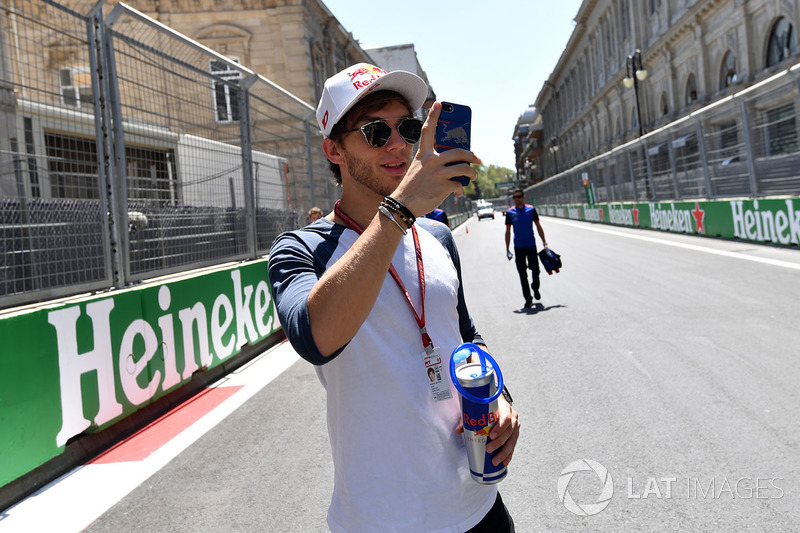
<point x="485" y="211"/>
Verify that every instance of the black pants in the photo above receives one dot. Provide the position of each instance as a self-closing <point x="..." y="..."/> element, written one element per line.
<point x="525" y="258"/>
<point x="497" y="520"/>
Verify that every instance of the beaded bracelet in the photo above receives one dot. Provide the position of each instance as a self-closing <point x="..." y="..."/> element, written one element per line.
<point x="388" y="214"/>
<point x="394" y="205"/>
<point x="398" y="214"/>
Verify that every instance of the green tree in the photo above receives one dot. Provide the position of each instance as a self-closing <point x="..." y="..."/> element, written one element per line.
<point x="485" y="185"/>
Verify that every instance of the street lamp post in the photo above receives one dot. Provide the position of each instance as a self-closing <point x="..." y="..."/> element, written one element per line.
<point x="634" y="73"/>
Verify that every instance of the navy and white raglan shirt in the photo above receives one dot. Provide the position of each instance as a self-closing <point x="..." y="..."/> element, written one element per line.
<point x="522" y="220"/>
<point x="399" y="465"/>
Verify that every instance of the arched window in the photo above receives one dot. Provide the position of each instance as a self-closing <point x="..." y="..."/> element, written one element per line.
<point x="781" y="42"/>
<point x="691" y="90"/>
<point x="624" y="19"/>
<point x="664" y="107"/>
<point x="727" y="72"/>
<point x="655" y="5"/>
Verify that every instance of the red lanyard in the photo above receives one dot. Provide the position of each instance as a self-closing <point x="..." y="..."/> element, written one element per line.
<point x="426" y="339"/>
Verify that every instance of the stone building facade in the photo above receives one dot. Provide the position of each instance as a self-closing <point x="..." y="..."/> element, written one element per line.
<point x="695" y="52"/>
<point x="296" y="44"/>
<point x="45" y="66"/>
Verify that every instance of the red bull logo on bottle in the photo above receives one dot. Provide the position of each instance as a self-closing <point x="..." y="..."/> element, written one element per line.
<point x="479" y="393"/>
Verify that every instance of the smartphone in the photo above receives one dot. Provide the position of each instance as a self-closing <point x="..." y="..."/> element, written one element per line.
<point x="453" y="131"/>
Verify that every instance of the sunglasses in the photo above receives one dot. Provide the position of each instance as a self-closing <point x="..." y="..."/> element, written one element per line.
<point x="378" y="132"/>
<point x="517" y="196"/>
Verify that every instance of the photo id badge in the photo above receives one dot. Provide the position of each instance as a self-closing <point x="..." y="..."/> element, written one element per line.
<point x="440" y="385"/>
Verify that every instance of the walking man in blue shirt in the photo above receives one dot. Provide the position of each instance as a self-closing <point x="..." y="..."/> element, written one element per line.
<point x="522" y="217"/>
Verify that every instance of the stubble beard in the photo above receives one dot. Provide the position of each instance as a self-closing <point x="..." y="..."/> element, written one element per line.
<point x="366" y="175"/>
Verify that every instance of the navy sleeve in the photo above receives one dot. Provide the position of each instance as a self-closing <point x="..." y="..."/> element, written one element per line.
<point x="465" y="325"/>
<point x="297" y="260"/>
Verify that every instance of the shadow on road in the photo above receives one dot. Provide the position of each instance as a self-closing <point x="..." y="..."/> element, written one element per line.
<point x="537" y="308"/>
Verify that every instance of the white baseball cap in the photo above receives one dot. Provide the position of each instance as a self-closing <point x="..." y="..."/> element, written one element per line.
<point x="343" y="90"/>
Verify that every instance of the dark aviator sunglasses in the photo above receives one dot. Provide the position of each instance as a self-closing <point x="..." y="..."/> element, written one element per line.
<point x="378" y="132"/>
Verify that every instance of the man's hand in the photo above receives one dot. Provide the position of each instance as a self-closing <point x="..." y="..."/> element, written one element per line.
<point x="427" y="182"/>
<point x="504" y="434"/>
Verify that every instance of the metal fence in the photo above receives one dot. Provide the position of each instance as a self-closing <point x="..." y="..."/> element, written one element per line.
<point x="743" y="145"/>
<point x="128" y="151"/>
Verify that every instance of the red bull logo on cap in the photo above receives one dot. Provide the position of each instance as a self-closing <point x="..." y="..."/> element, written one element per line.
<point x="365" y="75"/>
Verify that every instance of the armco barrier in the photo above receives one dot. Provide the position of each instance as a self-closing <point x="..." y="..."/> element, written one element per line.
<point x="765" y="220"/>
<point x="75" y="373"/>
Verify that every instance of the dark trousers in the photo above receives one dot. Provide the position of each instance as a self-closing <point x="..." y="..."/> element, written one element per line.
<point x="497" y="520"/>
<point x="525" y="257"/>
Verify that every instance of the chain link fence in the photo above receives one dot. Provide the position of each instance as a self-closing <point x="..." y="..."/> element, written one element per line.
<point x="129" y="151"/>
<point x="742" y="146"/>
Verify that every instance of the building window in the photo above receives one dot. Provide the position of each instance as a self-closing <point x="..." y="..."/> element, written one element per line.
<point x="781" y="130"/>
<point x="225" y="88"/>
<point x="727" y="74"/>
<point x="151" y="175"/>
<point x="318" y="63"/>
<point x="75" y="86"/>
<point x="664" y="106"/>
<point x="624" y="19"/>
<point x="691" y="90"/>
<point x="30" y="149"/>
<point x="781" y="42"/>
<point x="72" y="162"/>
<point x="655" y="5"/>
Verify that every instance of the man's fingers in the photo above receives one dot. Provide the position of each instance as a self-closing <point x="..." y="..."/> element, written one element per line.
<point x="459" y="155"/>
<point x="506" y="451"/>
<point x="428" y="137"/>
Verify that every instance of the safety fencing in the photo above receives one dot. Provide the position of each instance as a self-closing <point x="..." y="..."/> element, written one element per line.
<point x="744" y="145"/>
<point x="129" y="151"/>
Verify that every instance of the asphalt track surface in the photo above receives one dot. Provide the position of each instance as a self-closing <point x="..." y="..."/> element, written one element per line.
<point x="656" y="382"/>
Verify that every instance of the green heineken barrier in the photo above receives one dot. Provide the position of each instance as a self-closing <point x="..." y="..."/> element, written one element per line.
<point x="82" y="366"/>
<point x="766" y="220"/>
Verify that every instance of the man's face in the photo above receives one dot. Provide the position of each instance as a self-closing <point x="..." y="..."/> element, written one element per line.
<point x="519" y="199"/>
<point x="379" y="170"/>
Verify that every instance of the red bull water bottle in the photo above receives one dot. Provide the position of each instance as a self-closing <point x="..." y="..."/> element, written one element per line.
<point x="479" y="410"/>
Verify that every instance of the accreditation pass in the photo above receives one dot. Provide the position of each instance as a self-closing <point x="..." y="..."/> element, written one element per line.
<point x="440" y="386"/>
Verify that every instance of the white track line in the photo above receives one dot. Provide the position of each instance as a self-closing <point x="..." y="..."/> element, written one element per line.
<point x="695" y="247"/>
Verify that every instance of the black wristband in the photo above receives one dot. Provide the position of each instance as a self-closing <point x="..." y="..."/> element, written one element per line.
<point x="398" y="215"/>
<point x="397" y="206"/>
<point x="507" y="395"/>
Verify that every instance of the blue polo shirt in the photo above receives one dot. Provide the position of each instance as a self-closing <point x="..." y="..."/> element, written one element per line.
<point x="522" y="220"/>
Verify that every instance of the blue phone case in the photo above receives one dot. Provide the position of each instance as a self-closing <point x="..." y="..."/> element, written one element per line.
<point x="453" y="131"/>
